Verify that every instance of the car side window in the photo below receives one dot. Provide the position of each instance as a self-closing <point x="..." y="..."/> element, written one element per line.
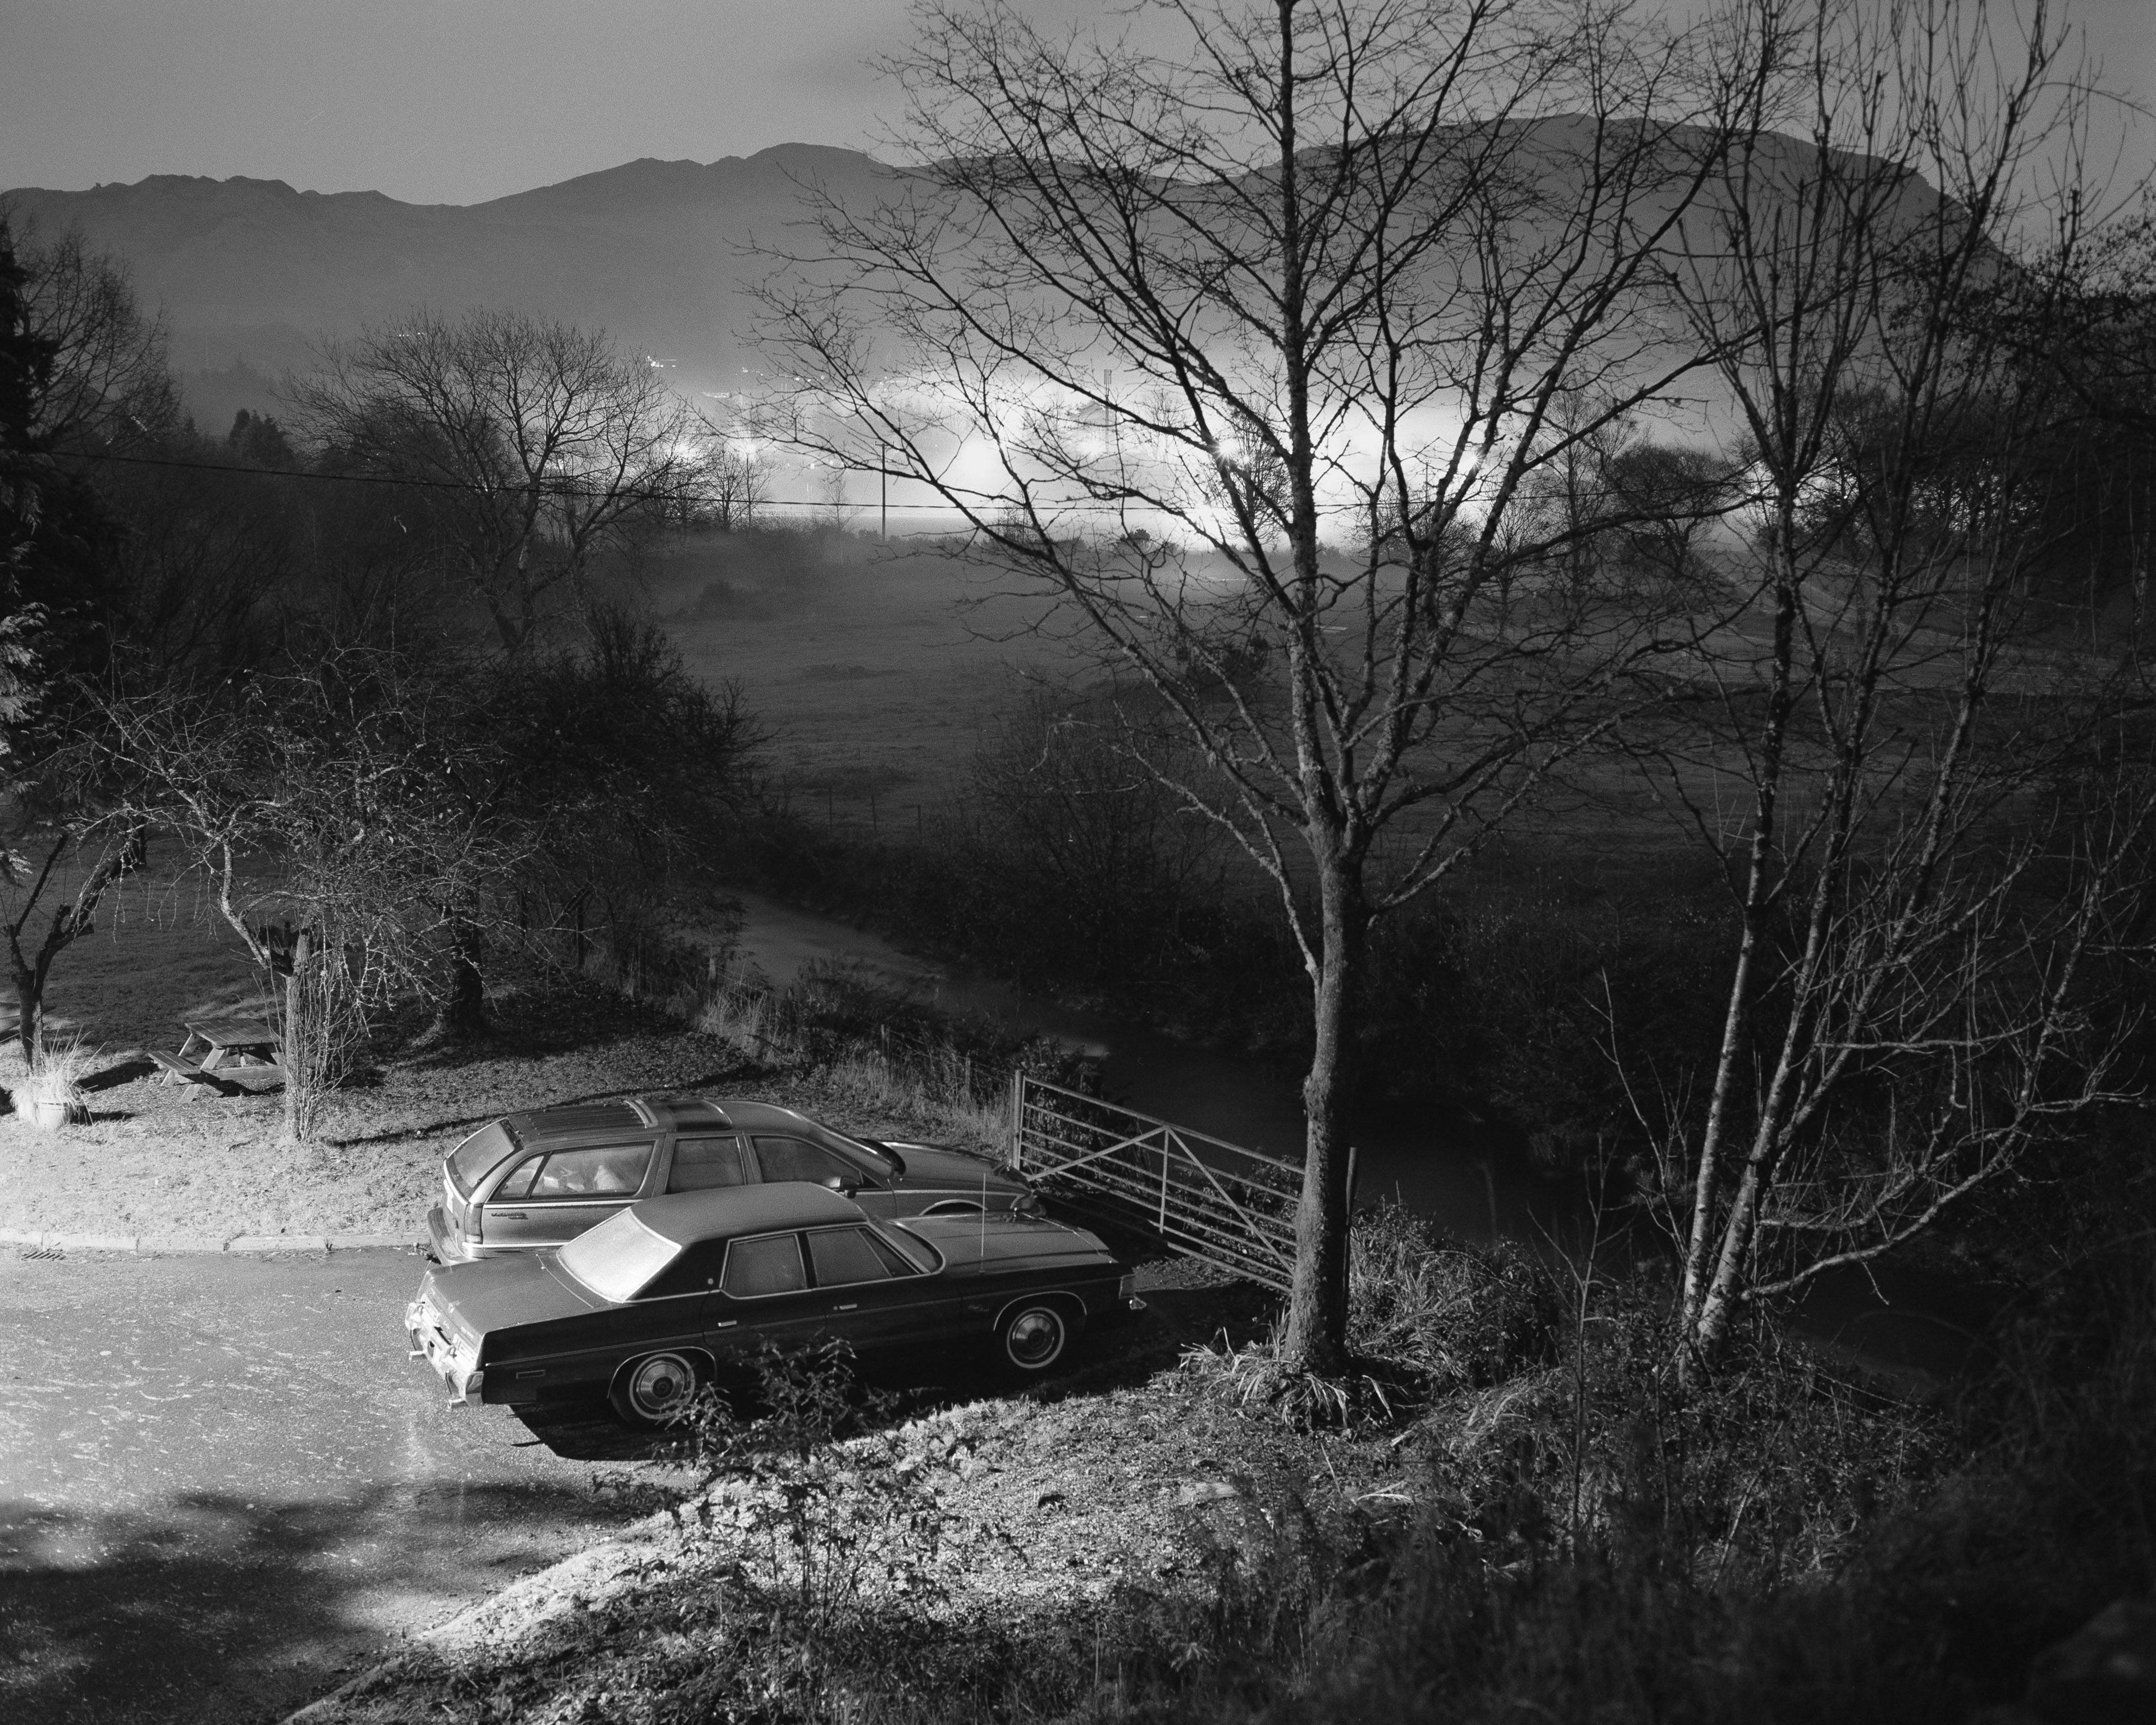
<point x="769" y="1266"/>
<point x="702" y="1163"/>
<point x="843" y="1255"/>
<point x="605" y="1171"/>
<point x="695" y="1271"/>
<point x="791" y="1159"/>
<point x="518" y="1180"/>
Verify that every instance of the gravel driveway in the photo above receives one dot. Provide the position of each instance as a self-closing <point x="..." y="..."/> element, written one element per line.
<point x="223" y="1484"/>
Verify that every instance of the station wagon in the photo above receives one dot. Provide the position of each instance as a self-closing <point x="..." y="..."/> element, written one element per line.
<point x="534" y="1180"/>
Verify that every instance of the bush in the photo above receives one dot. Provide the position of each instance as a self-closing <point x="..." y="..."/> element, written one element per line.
<point x="1427" y="1314"/>
<point x="1455" y="1316"/>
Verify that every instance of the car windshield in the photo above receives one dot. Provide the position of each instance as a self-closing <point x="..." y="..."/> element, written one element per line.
<point x="617" y="1258"/>
<point x="474" y="1159"/>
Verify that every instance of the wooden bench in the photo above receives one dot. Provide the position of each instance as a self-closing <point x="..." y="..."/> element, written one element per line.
<point x="180" y="1070"/>
<point x="227" y="1045"/>
<point x="226" y="1059"/>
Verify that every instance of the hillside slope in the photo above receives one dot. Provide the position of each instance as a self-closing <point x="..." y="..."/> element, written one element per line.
<point x="248" y="272"/>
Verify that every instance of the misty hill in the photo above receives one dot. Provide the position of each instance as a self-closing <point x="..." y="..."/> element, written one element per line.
<point x="248" y="272"/>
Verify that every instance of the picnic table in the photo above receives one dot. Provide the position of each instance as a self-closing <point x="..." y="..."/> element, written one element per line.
<point x="219" y="1051"/>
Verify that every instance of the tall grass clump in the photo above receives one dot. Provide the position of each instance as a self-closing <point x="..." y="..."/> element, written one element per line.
<point x="53" y="1084"/>
<point x="875" y="1045"/>
<point x="1427" y="1314"/>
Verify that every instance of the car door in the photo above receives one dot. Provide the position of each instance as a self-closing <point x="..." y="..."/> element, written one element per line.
<point x="554" y="1196"/>
<point x="872" y="1298"/>
<point x="764" y="1294"/>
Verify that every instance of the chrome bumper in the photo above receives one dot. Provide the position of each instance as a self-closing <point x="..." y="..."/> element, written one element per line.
<point x="463" y="1380"/>
<point x="448" y="1248"/>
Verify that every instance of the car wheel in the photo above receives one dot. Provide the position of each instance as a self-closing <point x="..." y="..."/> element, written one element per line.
<point x="656" y="1389"/>
<point x="1033" y="1335"/>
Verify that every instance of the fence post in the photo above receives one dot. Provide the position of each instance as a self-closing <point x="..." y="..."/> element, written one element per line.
<point x="1018" y="1122"/>
<point x="1166" y="1137"/>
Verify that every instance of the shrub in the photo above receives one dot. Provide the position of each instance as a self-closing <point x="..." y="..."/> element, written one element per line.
<point x="56" y="1076"/>
<point x="1456" y="1316"/>
<point x="1427" y="1314"/>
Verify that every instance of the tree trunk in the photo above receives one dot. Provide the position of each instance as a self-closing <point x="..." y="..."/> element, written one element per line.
<point x="70" y="923"/>
<point x="30" y="1010"/>
<point x="464" y="1007"/>
<point x="1317" y="1296"/>
<point x="1759" y="861"/>
<point x="299" y="1057"/>
<point x="1717" y="1306"/>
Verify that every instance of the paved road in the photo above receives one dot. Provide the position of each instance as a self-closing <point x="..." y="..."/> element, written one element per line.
<point x="222" y="1485"/>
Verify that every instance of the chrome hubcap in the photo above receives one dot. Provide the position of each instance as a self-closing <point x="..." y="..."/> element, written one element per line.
<point x="1035" y="1339"/>
<point x="658" y="1384"/>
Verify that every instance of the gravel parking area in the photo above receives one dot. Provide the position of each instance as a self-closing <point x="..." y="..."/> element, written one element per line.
<point x="176" y="1162"/>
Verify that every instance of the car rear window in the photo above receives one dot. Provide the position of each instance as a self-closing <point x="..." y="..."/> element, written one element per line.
<point x="617" y="1258"/>
<point x="925" y="1257"/>
<point x="768" y="1266"/>
<point x="479" y="1156"/>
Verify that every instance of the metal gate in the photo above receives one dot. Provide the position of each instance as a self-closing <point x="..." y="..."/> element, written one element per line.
<point x="1215" y="1200"/>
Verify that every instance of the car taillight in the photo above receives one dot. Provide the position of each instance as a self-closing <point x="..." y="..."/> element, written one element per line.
<point x="1128" y="1288"/>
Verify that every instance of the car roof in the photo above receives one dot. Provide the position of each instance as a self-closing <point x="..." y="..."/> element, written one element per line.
<point x="725" y="1211"/>
<point x="630" y="1114"/>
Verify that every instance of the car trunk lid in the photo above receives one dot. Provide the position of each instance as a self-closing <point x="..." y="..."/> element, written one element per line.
<point x="475" y="1300"/>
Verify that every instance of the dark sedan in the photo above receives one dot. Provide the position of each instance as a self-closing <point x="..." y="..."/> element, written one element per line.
<point x="674" y="1289"/>
<point x="537" y="1179"/>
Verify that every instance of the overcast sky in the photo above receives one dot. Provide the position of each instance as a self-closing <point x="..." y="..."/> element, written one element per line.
<point x="454" y="101"/>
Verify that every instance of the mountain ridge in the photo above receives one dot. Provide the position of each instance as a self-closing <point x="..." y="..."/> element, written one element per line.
<point x="250" y="273"/>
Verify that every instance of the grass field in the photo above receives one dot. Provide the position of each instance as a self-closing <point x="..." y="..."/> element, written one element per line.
<point x="879" y="667"/>
<point x="875" y="666"/>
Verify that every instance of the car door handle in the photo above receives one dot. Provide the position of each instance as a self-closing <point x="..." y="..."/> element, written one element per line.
<point x="855" y="1306"/>
<point x="509" y="1215"/>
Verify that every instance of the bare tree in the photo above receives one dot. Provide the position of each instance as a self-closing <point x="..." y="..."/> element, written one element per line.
<point x="1260" y="353"/>
<point x="330" y="812"/>
<point x="529" y="445"/>
<point x="31" y="956"/>
<point x="730" y="484"/>
<point x="1921" y="904"/>
<point x="82" y="371"/>
<point x="106" y="384"/>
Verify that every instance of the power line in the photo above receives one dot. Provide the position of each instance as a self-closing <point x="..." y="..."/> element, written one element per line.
<point x="572" y="488"/>
<point x="557" y="487"/>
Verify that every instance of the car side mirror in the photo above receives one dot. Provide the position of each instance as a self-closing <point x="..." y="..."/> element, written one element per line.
<point x="837" y="1183"/>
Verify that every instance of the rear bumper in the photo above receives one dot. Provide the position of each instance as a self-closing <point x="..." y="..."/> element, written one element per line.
<point x="463" y="1381"/>
<point x="447" y="1246"/>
